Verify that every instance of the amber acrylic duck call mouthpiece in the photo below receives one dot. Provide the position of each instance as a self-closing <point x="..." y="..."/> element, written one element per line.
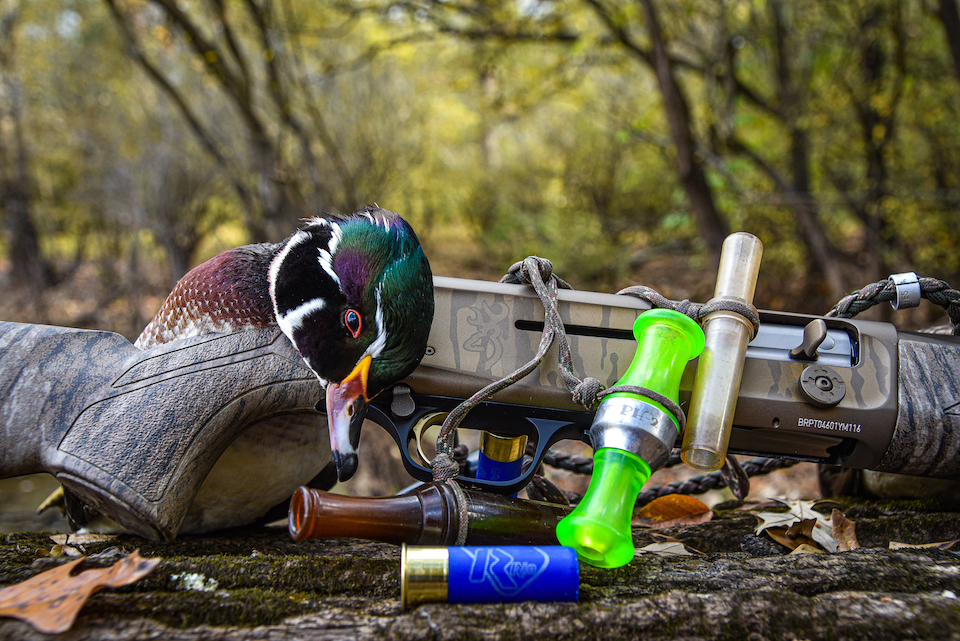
<point x="427" y="516"/>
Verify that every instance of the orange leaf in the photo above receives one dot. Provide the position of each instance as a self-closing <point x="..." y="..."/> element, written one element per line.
<point x="51" y="600"/>
<point x="673" y="509"/>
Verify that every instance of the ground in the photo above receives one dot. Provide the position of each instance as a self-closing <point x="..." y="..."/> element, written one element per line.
<point x="253" y="584"/>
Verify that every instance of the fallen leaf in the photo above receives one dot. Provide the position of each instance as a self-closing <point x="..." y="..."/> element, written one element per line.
<point x="799" y="511"/>
<point x="666" y="546"/>
<point x="802" y="528"/>
<point x="779" y="534"/>
<point x="792" y="537"/>
<point x="51" y="600"/>
<point x="806" y="548"/>
<point x="664" y="549"/>
<point x="673" y="506"/>
<point x="942" y="545"/>
<point x="671" y="510"/>
<point x="81" y="539"/>
<point x="844" y="531"/>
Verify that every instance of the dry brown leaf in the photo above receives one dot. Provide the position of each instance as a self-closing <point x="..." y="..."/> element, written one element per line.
<point x="799" y="511"/>
<point x="51" y="600"/>
<point x="81" y="539"/>
<point x="942" y="545"/>
<point x="673" y="509"/>
<point x="802" y="528"/>
<point x="806" y="548"/>
<point x="779" y="534"/>
<point x="664" y="549"/>
<point x="664" y="545"/>
<point x="844" y="531"/>
<point x="673" y="506"/>
<point x="60" y="550"/>
<point x="783" y="536"/>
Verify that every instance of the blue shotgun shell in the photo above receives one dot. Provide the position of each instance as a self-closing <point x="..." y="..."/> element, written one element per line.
<point x="501" y="457"/>
<point x="489" y="574"/>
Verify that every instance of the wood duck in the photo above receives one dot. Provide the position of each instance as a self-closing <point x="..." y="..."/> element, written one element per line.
<point x="354" y="295"/>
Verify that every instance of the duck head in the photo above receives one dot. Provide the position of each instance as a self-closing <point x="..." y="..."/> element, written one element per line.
<point x="354" y="295"/>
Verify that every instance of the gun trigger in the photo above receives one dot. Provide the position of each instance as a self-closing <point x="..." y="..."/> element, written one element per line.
<point x="402" y="405"/>
<point x="813" y="335"/>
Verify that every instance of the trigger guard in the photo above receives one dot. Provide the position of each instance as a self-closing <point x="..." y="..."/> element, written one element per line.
<point x="548" y="425"/>
<point x="424" y="423"/>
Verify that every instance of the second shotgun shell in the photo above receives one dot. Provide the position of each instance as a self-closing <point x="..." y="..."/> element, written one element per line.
<point x="501" y="457"/>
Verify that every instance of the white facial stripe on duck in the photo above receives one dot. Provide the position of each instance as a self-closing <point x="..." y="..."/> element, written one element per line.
<point x="293" y="320"/>
<point x="327" y="253"/>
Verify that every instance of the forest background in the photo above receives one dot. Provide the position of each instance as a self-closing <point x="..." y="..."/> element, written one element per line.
<point x="621" y="139"/>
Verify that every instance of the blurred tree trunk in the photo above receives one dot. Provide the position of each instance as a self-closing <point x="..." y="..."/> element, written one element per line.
<point x="175" y="201"/>
<point x="249" y="75"/>
<point x="823" y="259"/>
<point x="28" y="268"/>
<point x="950" y="17"/>
<point x="713" y="229"/>
<point x="880" y="76"/>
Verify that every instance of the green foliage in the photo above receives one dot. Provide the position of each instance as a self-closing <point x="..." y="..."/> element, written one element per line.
<point x="539" y="127"/>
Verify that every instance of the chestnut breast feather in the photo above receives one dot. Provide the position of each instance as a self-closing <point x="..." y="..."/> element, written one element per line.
<point x="227" y="293"/>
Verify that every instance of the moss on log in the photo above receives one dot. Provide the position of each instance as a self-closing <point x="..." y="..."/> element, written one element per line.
<point x="256" y="584"/>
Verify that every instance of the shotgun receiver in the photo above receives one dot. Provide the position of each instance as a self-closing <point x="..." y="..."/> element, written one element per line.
<point x="134" y="433"/>
<point x="836" y="391"/>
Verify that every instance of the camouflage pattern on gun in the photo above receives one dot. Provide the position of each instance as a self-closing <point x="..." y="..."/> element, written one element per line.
<point x="135" y="433"/>
<point x="866" y="397"/>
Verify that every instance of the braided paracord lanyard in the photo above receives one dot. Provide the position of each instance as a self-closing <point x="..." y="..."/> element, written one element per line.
<point x="694" y="485"/>
<point x="538" y="272"/>
<point x="933" y="289"/>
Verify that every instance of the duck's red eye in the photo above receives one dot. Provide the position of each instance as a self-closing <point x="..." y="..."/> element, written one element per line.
<point x="353" y="322"/>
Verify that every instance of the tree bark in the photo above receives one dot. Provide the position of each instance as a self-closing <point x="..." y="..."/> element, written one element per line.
<point x="28" y="267"/>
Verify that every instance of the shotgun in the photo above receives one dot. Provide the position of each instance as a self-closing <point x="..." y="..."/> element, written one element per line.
<point x="866" y="397"/>
<point x="134" y="433"/>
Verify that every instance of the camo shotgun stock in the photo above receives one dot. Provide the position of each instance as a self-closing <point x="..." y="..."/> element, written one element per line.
<point x="134" y="433"/>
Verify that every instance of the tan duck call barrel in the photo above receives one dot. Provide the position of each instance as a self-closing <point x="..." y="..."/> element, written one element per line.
<point x="720" y="368"/>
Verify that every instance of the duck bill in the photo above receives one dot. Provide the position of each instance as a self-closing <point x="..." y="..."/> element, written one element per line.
<point x="346" y="408"/>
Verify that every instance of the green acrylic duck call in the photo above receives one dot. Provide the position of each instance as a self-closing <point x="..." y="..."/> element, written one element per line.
<point x="632" y="436"/>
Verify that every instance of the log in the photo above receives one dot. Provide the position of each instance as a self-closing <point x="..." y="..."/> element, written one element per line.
<point x="257" y="583"/>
